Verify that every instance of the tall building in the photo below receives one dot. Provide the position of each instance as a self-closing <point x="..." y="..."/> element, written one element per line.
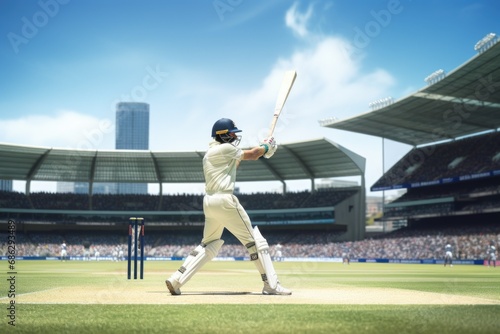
<point x="132" y="133"/>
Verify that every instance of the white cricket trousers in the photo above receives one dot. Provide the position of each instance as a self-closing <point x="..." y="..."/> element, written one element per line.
<point x="225" y="211"/>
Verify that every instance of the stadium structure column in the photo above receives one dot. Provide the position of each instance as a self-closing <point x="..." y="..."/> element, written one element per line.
<point x="351" y="212"/>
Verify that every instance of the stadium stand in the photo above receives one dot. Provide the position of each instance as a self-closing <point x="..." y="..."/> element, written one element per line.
<point x="461" y="159"/>
<point x="458" y="178"/>
<point x="308" y="160"/>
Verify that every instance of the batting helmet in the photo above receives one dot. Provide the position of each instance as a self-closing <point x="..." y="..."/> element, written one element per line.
<point x="222" y="129"/>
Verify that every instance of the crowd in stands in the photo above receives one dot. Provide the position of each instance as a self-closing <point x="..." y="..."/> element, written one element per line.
<point x="178" y="202"/>
<point x="55" y="201"/>
<point x="472" y="155"/>
<point x="460" y="177"/>
<point x="466" y="197"/>
<point x="439" y="209"/>
<point x="469" y="242"/>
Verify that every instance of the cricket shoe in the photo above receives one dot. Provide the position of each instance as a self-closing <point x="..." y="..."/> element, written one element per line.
<point x="170" y="286"/>
<point x="267" y="290"/>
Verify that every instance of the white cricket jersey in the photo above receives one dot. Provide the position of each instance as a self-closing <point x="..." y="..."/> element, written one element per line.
<point x="219" y="166"/>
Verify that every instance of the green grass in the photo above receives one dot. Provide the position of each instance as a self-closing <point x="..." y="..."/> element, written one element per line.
<point x="108" y="279"/>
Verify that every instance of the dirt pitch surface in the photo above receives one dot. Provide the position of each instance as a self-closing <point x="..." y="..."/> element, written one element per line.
<point x="142" y="294"/>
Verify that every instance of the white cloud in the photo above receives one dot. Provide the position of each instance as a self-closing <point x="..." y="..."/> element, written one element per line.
<point x="298" y="21"/>
<point x="67" y="129"/>
<point x="328" y="84"/>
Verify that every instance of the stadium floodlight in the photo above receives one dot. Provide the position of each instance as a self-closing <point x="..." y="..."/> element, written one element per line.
<point x="435" y="77"/>
<point x="486" y="42"/>
<point x="381" y="103"/>
<point x="328" y="121"/>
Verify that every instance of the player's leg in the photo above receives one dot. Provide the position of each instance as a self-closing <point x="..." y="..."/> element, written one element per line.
<point x="238" y="223"/>
<point x="272" y="285"/>
<point x="203" y="253"/>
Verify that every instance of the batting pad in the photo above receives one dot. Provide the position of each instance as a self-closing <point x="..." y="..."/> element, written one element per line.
<point x="197" y="259"/>
<point x="264" y="258"/>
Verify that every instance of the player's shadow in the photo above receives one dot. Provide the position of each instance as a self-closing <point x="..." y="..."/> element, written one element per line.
<point x="212" y="293"/>
<point x="219" y="293"/>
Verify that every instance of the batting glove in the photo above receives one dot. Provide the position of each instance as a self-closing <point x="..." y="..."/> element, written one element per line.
<point x="270" y="147"/>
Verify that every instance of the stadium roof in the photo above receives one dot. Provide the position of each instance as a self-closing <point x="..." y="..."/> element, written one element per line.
<point x="465" y="102"/>
<point x="319" y="158"/>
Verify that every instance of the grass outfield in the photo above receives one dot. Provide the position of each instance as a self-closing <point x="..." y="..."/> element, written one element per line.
<point x="224" y="297"/>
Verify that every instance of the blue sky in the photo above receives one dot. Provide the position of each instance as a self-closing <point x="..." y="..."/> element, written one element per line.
<point x="66" y="63"/>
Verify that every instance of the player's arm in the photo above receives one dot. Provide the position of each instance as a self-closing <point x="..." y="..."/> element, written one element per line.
<point x="254" y="153"/>
<point x="266" y="149"/>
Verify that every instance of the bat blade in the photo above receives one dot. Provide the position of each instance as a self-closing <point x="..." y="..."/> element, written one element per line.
<point x="286" y="87"/>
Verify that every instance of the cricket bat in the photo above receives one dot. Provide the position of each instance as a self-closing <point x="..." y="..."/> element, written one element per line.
<point x="286" y="86"/>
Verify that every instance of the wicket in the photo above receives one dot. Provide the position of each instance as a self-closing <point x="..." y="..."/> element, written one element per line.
<point x="134" y="223"/>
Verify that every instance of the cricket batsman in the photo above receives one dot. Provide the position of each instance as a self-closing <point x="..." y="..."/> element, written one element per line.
<point x="223" y="210"/>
